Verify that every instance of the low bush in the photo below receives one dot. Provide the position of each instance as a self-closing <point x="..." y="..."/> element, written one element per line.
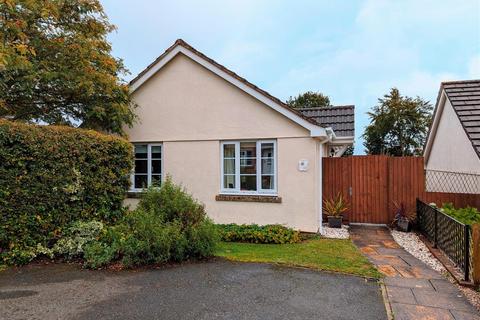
<point x="23" y="255"/>
<point x="466" y="215"/>
<point x="79" y="235"/>
<point x="168" y="225"/>
<point x="253" y="233"/>
<point x="51" y="176"/>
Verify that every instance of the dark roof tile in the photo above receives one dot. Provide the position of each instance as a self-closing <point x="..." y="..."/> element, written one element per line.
<point x="340" y="118"/>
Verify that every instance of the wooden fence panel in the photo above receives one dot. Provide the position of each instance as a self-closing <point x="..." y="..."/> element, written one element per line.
<point x="406" y="183"/>
<point x="369" y="189"/>
<point x="371" y="185"/>
<point x="459" y="200"/>
<point x="337" y="177"/>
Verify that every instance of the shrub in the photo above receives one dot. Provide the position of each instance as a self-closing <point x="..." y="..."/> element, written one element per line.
<point x="24" y="255"/>
<point x="77" y="237"/>
<point x="168" y="225"/>
<point x="171" y="202"/>
<point x="466" y="215"/>
<point x="253" y="233"/>
<point x="148" y="240"/>
<point x="51" y="176"/>
<point x="98" y="254"/>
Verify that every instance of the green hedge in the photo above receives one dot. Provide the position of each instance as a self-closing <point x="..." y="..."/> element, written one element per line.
<point x="273" y="233"/>
<point x="53" y="175"/>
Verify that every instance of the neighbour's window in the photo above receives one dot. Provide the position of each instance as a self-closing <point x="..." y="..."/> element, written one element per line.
<point x="249" y="167"/>
<point x="148" y="166"/>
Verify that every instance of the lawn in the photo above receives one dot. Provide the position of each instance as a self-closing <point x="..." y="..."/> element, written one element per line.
<point x="322" y="254"/>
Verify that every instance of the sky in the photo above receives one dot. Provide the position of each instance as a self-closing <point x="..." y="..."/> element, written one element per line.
<point x="352" y="51"/>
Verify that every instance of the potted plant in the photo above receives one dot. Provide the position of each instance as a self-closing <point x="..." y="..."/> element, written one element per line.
<point x="403" y="220"/>
<point x="334" y="208"/>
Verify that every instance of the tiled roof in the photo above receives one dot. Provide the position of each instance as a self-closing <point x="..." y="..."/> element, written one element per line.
<point x="465" y="99"/>
<point x="340" y="118"/>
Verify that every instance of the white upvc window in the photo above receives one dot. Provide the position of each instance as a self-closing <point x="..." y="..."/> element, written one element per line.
<point x="249" y="167"/>
<point x="148" y="165"/>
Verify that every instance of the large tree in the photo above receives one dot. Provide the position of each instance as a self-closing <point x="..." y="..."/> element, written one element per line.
<point x="398" y="126"/>
<point x="309" y="99"/>
<point x="56" y="65"/>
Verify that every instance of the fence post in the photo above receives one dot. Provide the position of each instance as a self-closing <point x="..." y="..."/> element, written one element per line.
<point x="467" y="252"/>
<point x="476" y="253"/>
<point x="435" y="229"/>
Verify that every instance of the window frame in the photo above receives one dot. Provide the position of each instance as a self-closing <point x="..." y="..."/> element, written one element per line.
<point x="258" y="175"/>
<point x="149" y="165"/>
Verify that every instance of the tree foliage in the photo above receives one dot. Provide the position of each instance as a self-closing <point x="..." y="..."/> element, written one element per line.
<point x="349" y="151"/>
<point x="309" y="99"/>
<point x="398" y="126"/>
<point x="56" y="65"/>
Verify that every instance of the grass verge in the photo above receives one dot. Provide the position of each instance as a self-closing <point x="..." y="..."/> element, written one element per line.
<point x="321" y="254"/>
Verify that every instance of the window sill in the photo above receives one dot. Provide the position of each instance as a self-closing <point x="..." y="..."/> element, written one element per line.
<point x="248" y="198"/>
<point x="135" y="194"/>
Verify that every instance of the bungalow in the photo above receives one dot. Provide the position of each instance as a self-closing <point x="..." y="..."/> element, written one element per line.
<point x="245" y="154"/>
<point x="452" y="150"/>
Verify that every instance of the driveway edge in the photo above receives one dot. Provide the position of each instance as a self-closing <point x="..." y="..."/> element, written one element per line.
<point x="386" y="301"/>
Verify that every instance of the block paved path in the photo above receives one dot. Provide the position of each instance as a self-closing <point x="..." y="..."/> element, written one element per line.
<point x="414" y="289"/>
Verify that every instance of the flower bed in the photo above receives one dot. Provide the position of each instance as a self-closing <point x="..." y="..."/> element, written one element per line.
<point x="253" y="233"/>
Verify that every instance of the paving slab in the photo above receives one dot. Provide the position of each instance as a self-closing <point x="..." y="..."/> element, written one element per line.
<point x="390" y="251"/>
<point x="461" y="315"/>
<point x="414" y="312"/>
<point x="391" y="260"/>
<point x="409" y="283"/>
<point x="411" y="260"/>
<point x="414" y="289"/>
<point x="442" y="300"/>
<point x="444" y="286"/>
<point x="401" y="295"/>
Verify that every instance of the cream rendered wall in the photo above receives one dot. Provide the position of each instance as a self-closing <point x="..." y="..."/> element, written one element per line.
<point x="185" y="101"/>
<point x="451" y="148"/>
<point x="190" y="110"/>
<point x="201" y="175"/>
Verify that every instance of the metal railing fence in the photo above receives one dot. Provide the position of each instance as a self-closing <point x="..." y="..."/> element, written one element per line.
<point x="447" y="234"/>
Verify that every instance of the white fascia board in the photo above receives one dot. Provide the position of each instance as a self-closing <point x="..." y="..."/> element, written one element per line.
<point x="343" y="140"/>
<point x="433" y="129"/>
<point x="318" y="132"/>
<point x="315" y="130"/>
<point x="154" y="69"/>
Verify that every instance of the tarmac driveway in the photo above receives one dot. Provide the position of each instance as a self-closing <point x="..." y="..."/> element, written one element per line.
<point x="211" y="290"/>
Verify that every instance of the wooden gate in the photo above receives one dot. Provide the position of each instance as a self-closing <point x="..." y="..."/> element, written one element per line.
<point x="372" y="184"/>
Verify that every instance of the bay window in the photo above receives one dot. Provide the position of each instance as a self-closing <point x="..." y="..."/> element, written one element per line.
<point x="148" y="166"/>
<point x="249" y="167"/>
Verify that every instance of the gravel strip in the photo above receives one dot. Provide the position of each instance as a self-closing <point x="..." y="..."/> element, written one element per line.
<point x="335" y="233"/>
<point x="413" y="245"/>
